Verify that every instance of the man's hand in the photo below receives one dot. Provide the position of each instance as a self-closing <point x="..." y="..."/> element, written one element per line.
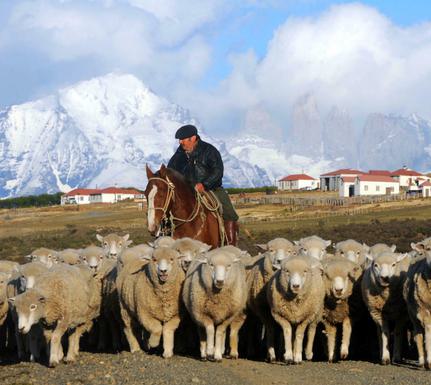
<point x="199" y="187"/>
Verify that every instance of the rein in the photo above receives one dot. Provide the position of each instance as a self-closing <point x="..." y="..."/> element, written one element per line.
<point x="201" y="201"/>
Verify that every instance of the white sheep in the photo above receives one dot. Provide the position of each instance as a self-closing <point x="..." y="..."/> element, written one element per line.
<point x="215" y="296"/>
<point x="164" y="241"/>
<point x="60" y="301"/>
<point x="382" y="284"/>
<point x="257" y="279"/>
<point x="313" y="246"/>
<point x="151" y="297"/>
<point x="92" y="256"/>
<point x="135" y="253"/>
<point x="188" y="249"/>
<point x="295" y="295"/>
<point x="113" y="244"/>
<point x="353" y="251"/>
<point x="44" y="255"/>
<point x="417" y="295"/>
<point x="340" y="277"/>
<point x="69" y="256"/>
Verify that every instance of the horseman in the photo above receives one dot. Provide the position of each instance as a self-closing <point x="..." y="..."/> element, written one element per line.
<point x="202" y="166"/>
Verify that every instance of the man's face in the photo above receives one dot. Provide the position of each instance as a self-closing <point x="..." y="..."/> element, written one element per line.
<point x="188" y="144"/>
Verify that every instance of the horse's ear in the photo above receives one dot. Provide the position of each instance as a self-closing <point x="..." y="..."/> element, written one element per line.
<point x="150" y="174"/>
<point x="162" y="170"/>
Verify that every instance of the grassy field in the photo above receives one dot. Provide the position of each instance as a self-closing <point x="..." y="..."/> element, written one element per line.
<point x="23" y="230"/>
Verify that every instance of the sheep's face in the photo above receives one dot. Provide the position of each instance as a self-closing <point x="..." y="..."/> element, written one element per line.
<point x="188" y="249"/>
<point x="220" y="265"/>
<point x="45" y="256"/>
<point x="313" y="247"/>
<point x="92" y="257"/>
<point x="423" y="249"/>
<point x="29" y="308"/>
<point x="295" y="273"/>
<point x="278" y="251"/>
<point x="113" y="244"/>
<point x="340" y="278"/>
<point x="381" y="248"/>
<point x="352" y="250"/>
<point x="385" y="266"/>
<point x="164" y="260"/>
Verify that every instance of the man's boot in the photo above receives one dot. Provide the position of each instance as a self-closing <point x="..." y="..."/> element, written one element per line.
<point x="231" y="228"/>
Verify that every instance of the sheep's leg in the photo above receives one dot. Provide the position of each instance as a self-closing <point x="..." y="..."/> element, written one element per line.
<point x="34" y="343"/>
<point x="233" y="338"/>
<point x="419" y="340"/>
<point x="269" y="339"/>
<point x="210" y="332"/>
<point x="115" y="330"/>
<point x="102" y="334"/>
<point x="398" y="340"/>
<point x="168" y="336"/>
<point x="202" y="343"/>
<point x="299" y="339"/>
<point x="331" y="334"/>
<point x="73" y="350"/>
<point x="155" y="328"/>
<point x="287" y="334"/>
<point x="311" y="332"/>
<point x="345" y="340"/>
<point x="220" y="338"/>
<point x="428" y="346"/>
<point x="56" y="350"/>
<point x="128" y="331"/>
<point x="384" y="332"/>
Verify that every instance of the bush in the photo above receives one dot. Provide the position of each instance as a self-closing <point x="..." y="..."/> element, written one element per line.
<point x="31" y="201"/>
<point x="239" y="190"/>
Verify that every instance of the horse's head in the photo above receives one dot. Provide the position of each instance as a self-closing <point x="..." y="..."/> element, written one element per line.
<point x="159" y="194"/>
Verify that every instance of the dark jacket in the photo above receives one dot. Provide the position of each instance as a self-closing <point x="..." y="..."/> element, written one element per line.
<point x="203" y="165"/>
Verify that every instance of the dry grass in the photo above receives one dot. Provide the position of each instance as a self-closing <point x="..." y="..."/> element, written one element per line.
<point x="23" y="230"/>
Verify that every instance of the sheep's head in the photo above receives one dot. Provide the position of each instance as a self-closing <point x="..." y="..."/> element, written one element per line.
<point x="385" y="267"/>
<point x="92" y="256"/>
<point x="29" y="308"/>
<point x="314" y="247"/>
<point x="340" y="276"/>
<point x="423" y="249"/>
<point x="279" y="249"/>
<point x="352" y="250"/>
<point x="165" y="261"/>
<point x="295" y="274"/>
<point x="47" y="256"/>
<point x="189" y="249"/>
<point x="163" y="241"/>
<point x="220" y="263"/>
<point x="113" y="244"/>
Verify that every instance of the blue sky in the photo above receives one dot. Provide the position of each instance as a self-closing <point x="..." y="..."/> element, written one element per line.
<point x="198" y="52"/>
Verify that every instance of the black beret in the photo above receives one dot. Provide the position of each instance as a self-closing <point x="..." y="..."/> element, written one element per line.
<point x="186" y="132"/>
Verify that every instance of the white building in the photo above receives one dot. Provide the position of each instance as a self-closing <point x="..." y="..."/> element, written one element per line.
<point x="347" y="186"/>
<point x="367" y="184"/>
<point x="82" y="196"/>
<point x="426" y="189"/>
<point x="298" y="182"/>
<point x="331" y="181"/>
<point x="409" y="179"/>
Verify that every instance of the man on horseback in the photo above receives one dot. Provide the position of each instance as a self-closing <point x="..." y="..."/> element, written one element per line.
<point x="201" y="164"/>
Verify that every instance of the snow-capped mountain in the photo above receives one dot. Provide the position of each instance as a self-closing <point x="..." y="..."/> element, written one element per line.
<point x="98" y="132"/>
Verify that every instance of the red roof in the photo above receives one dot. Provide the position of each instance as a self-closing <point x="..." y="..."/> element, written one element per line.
<point x="380" y="172"/>
<point x="296" y="177"/>
<point x="82" y="191"/>
<point x="376" y="178"/>
<point x="348" y="179"/>
<point x="406" y="172"/>
<point x="344" y="171"/>
<point x="425" y="184"/>
<point x="116" y="190"/>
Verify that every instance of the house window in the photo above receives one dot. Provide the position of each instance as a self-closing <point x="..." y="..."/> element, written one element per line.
<point x="377" y="188"/>
<point x="365" y="187"/>
<point x="81" y="198"/>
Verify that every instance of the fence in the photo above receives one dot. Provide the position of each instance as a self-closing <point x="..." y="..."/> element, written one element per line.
<point x="332" y="202"/>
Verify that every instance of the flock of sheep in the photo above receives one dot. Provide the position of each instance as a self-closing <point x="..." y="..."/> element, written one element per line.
<point x="150" y="292"/>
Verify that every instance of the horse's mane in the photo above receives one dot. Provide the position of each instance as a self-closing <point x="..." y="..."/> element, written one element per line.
<point x="175" y="176"/>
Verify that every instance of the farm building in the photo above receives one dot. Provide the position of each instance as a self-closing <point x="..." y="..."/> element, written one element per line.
<point x="368" y="184"/>
<point x="107" y="195"/>
<point x="331" y="181"/>
<point x="298" y="182"/>
<point x="408" y="179"/>
<point x="426" y="189"/>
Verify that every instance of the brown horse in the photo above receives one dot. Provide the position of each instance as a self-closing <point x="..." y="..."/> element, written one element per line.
<point x="171" y="199"/>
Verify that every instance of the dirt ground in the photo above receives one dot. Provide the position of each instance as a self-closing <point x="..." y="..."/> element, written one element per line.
<point x="22" y="231"/>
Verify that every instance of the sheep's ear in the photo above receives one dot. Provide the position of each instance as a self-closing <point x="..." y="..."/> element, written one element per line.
<point x="203" y="247"/>
<point x="42" y="299"/>
<point x="262" y="246"/>
<point x="297" y="243"/>
<point x="150" y="174"/>
<point x="366" y="247"/>
<point x="419" y="247"/>
<point x="202" y="259"/>
<point x="328" y="243"/>
<point x="11" y="300"/>
<point x="393" y="248"/>
<point x="152" y="244"/>
<point x="147" y="257"/>
<point x="369" y="258"/>
<point x="126" y="237"/>
<point x="401" y="257"/>
<point x="236" y="259"/>
<point x="128" y="243"/>
<point x="99" y="238"/>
